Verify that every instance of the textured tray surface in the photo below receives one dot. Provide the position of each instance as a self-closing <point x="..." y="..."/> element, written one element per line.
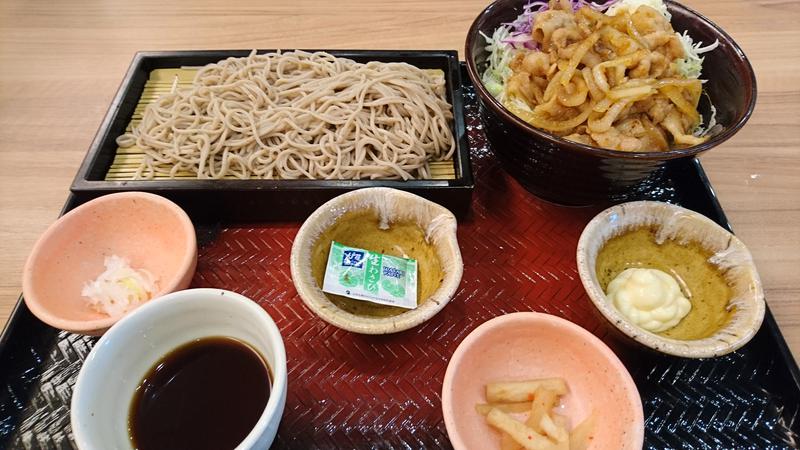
<point x="353" y="391"/>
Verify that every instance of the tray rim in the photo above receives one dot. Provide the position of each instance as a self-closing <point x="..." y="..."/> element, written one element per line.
<point x="20" y="307"/>
<point x="17" y="315"/>
<point x="769" y="320"/>
<point x="81" y="184"/>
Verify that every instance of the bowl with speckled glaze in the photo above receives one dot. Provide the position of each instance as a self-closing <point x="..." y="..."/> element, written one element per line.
<point x="728" y="254"/>
<point x="376" y="219"/>
<point x="150" y="231"/>
<point x="530" y="345"/>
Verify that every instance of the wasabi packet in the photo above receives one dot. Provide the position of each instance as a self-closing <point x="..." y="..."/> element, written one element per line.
<point x="364" y="275"/>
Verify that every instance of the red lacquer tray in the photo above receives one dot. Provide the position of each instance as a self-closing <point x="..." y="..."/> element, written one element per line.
<point x="345" y="388"/>
<point x="354" y="391"/>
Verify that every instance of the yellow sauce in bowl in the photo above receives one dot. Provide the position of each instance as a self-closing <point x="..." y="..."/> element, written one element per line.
<point x="702" y="282"/>
<point x="361" y="229"/>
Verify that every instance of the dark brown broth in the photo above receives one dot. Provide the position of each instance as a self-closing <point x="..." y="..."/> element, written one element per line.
<point x="206" y="394"/>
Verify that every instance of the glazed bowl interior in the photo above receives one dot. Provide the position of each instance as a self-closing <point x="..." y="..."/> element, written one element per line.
<point x="386" y="221"/>
<point x="363" y="229"/>
<point x="151" y="232"/>
<point x="731" y="85"/>
<point x="745" y="306"/>
<point x="530" y="345"/>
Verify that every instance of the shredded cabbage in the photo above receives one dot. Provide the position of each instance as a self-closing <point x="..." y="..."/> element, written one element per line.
<point x="500" y="54"/>
<point x="692" y="64"/>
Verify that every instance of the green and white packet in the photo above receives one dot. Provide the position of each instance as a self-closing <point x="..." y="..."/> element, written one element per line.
<point x="364" y="275"/>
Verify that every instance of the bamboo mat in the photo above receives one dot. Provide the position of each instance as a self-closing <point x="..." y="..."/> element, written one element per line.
<point x="162" y="81"/>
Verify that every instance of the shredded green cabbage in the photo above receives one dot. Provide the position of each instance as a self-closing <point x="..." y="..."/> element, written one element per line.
<point x="500" y="54"/>
<point x="692" y="65"/>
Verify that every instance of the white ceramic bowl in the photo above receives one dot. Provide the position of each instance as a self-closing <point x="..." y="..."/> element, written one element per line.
<point x="121" y="358"/>
<point x="672" y="222"/>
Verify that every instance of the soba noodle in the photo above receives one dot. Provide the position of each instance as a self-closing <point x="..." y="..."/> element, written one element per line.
<point x="297" y="115"/>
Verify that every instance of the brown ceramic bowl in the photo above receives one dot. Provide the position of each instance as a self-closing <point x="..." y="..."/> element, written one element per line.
<point x="730" y="256"/>
<point x="570" y="173"/>
<point x="392" y="206"/>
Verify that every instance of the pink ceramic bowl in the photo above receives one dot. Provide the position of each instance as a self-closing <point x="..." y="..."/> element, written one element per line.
<point x="530" y="345"/>
<point x="152" y="232"/>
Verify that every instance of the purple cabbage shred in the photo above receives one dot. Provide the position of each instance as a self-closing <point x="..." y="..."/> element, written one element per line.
<point x="522" y="26"/>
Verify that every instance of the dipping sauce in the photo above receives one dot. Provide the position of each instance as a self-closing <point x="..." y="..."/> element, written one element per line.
<point x="206" y="394"/>
<point x="361" y="229"/>
<point x="702" y="282"/>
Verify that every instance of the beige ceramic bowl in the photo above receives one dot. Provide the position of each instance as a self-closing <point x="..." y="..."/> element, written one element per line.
<point x="530" y="345"/>
<point x="152" y="232"/>
<point x="682" y="225"/>
<point x="391" y="206"/>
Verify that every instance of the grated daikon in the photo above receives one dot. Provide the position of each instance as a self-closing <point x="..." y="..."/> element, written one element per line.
<point x="120" y="288"/>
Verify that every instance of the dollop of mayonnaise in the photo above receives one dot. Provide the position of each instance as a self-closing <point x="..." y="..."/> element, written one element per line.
<point x="649" y="298"/>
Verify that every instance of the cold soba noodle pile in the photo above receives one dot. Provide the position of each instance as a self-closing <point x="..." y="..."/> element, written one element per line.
<point x="298" y="115"/>
<point x="622" y="80"/>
